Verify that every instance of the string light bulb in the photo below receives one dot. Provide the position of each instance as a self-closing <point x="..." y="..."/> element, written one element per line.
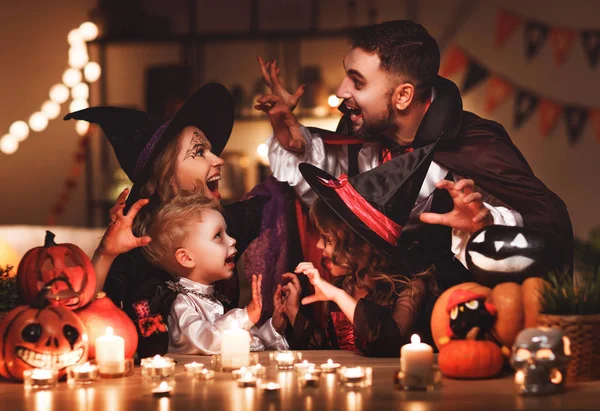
<point x="50" y="109"/>
<point x="78" y="56"/>
<point x="19" y="130"/>
<point x="82" y="127"/>
<point x="80" y="91"/>
<point x="38" y="121"/>
<point x="8" y="144"/>
<point x="78" y="104"/>
<point x="59" y="93"/>
<point x="74" y="37"/>
<point x="92" y="71"/>
<point x="71" y="77"/>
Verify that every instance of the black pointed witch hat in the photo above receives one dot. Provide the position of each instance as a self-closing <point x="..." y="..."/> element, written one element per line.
<point x="137" y="137"/>
<point x="375" y="204"/>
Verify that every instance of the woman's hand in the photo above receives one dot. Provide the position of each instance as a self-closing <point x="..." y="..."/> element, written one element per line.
<point x="469" y="213"/>
<point x="278" y="321"/>
<point x="119" y="237"/>
<point x="254" y="308"/>
<point x="291" y="296"/>
<point x="270" y="74"/>
<point x="324" y="291"/>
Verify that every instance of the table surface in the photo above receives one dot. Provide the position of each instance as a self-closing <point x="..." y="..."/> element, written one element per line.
<point x="134" y="392"/>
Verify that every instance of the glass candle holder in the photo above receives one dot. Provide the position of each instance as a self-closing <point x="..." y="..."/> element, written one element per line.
<point x="412" y="383"/>
<point x="193" y="368"/>
<point x="164" y="389"/>
<point x="309" y="379"/>
<point x="356" y="376"/>
<point x="304" y="366"/>
<point x="158" y="368"/>
<point x="217" y="365"/>
<point x="82" y="374"/>
<point x="115" y="369"/>
<point x="285" y="360"/>
<point x="247" y="380"/>
<point x="330" y="366"/>
<point x="40" y="379"/>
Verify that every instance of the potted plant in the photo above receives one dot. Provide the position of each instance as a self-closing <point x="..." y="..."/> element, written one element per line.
<point x="8" y="291"/>
<point x="576" y="311"/>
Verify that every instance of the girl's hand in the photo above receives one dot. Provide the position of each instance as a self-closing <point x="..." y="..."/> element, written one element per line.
<point x="270" y="74"/>
<point x="278" y="321"/>
<point x="119" y="237"/>
<point x="324" y="291"/>
<point x="291" y="294"/>
<point x="255" y="307"/>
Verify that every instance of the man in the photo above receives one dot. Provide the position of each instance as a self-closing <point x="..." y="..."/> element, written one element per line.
<point x="394" y="101"/>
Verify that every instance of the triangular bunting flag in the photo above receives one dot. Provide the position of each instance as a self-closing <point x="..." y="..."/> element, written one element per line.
<point x="535" y="36"/>
<point x="591" y="45"/>
<point x="498" y="91"/>
<point x="524" y="106"/>
<point x="475" y="74"/>
<point x="595" y="117"/>
<point x="562" y="41"/>
<point x="575" y="117"/>
<point x="506" y="24"/>
<point x="549" y="114"/>
<point x="454" y="60"/>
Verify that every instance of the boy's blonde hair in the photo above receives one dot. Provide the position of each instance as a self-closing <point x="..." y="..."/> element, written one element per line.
<point x="170" y="227"/>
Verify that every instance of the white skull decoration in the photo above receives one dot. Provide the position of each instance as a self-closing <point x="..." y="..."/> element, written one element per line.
<point x="540" y="357"/>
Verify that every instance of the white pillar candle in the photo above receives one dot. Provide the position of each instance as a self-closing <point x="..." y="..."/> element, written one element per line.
<point x="110" y="353"/>
<point x="235" y="348"/>
<point x="416" y="361"/>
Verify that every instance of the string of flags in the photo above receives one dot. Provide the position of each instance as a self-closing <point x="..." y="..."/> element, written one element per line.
<point x="500" y="89"/>
<point x="537" y="33"/>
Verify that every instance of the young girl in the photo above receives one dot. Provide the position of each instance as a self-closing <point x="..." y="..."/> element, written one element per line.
<point x="189" y="241"/>
<point x="383" y="289"/>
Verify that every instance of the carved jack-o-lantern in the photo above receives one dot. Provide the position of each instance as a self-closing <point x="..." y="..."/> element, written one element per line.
<point x="49" y="338"/>
<point x="65" y="267"/>
<point x="497" y="254"/>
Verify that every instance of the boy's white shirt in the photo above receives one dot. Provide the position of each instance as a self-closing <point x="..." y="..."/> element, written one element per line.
<point x="334" y="160"/>
<point x="195" y="324"/>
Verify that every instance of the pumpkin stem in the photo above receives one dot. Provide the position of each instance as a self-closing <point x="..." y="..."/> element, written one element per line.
<point x="49" y="241"/>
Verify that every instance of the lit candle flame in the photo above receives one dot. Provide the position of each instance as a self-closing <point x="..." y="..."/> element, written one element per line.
<point x="415" y="339"/>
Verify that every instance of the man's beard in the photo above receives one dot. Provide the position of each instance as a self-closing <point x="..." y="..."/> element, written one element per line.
<point x="374" y="129"/>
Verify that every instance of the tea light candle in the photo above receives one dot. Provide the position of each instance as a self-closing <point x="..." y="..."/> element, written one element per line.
<point x="309" y="379"/>
<point x="194" y="367"/>
<point x="247" y="380"/>
<point x="163" y="390"/>
<point x="82" y="374"/>
<point x="158" y="367"/>
<point x="330" y="366"/>
<point x="270" y="387"/>
<point x="205" y="375"/>
<point x="356" y="376"/>
<point x="304" y="366"/>
<point x="285" y="359"/>
<point x="416" y="363"/>
<point x="235" y="348"/>
<point x="40" y="378"/>
<point x="110" y="353"/>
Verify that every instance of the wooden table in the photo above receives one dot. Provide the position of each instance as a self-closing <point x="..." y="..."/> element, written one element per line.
<point x="133" y="392"/>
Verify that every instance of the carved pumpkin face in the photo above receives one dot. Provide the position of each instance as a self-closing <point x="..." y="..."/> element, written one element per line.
<point x="50" y="338"/>
<point x="500" y="253"/>
<point x="65" y="267"/>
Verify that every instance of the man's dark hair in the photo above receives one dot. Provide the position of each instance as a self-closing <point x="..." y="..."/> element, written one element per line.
<point x="405" y="49"/>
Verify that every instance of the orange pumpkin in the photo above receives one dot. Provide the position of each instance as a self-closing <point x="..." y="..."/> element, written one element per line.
<point x="517" y="307"/>
<point x="470" y="359"/>
<point x="50" y="338"/>
<point x="65" y="267"/>
<point x="102" y="313"/>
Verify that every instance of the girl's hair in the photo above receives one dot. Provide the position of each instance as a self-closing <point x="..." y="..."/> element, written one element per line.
<point x="171" y="226"/>
<point x="363" y="260"/>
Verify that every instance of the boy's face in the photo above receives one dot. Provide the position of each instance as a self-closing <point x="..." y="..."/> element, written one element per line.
<point x="367" y="93"/>
<point x="327" y="244"/>
<point x="210" y="249"/>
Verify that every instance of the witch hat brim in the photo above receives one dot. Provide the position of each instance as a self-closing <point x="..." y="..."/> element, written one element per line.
<point x="137" y="137"/>
<point x="391" y="189"/>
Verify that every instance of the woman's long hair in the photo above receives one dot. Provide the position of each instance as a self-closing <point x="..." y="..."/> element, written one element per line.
<point x="365" y="263"/>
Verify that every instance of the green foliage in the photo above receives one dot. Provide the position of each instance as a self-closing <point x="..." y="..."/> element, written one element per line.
<point x="561" y="297"/>
<point x="8" y="289"/>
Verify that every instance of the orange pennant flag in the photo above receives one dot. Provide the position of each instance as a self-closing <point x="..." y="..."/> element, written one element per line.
<point x="562" y="41"/>
<point x="498" y="91"/>
<point x="454" y="61"/>
<point x="506" y="24"/>
<point x="595" y="116"/>
<point x="549" y="114"/>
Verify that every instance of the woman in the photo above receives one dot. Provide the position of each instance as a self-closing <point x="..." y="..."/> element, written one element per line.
<point x="162" y="159"/>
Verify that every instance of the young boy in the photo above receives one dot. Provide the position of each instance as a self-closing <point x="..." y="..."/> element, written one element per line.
<point x="189" y="240"/>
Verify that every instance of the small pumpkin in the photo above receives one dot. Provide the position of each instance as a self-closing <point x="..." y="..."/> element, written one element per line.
<point x="101" y="314"/>
<point x="65" y="267"/>
<point x="50" y="338"/>
<point x="470" y="359"/>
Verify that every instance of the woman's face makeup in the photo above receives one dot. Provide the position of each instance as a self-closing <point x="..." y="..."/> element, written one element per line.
<point x="197" y="167"/>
